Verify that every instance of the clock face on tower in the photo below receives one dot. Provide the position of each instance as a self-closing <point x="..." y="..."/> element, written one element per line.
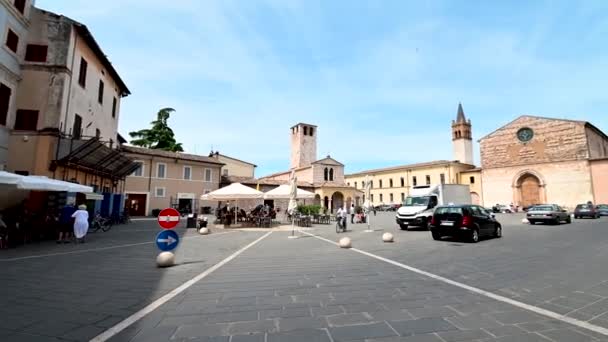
<point x="525" y="134"/>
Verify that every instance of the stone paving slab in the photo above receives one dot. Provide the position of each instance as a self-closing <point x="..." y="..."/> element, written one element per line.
<point x="363" y="300"/>
<point x="75" y="296"/>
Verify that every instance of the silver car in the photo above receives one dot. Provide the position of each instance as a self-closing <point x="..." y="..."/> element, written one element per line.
<point x="548" y="213"/>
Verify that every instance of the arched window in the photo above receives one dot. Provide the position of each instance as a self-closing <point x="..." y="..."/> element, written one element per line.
<point x="380" y="185"/>
<point x="305" y="130"/>
<point x="331" y="174"/>
<point x="355" y="185"/>
<point x="326" y="174"/>
<point x="390" y="183"/>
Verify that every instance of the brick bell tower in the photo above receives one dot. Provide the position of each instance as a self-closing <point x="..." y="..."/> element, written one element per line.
<point x="462" y="138"/>
<point x="303" y="145"/>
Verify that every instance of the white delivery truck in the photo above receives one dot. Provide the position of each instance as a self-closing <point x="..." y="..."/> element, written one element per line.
<point x="418" y="207"/>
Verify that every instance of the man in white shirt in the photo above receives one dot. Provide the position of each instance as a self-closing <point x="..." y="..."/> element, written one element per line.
<point x="341" y="215"/>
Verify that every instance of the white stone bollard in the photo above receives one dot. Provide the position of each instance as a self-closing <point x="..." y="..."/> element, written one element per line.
<point x="388" y="237"/>
<point x="524" y="220"/>
<point x="345" y="243"/>
<point x="165" y="259"/>
<point x="204" y="231"/>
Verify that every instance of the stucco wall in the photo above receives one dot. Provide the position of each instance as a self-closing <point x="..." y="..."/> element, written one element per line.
<point x="84" y="101"/>
<point x="599" y="174"/>
<point x="598" y="145"/>
<point x="52" y="87"/>
<point x="566" y="183"/>
<point x="554" y="140"/>
<point x="236" y="168"/>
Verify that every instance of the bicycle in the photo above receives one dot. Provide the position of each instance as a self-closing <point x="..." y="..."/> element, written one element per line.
<point x="341" y="225"/>
<point x="100" y="222"/>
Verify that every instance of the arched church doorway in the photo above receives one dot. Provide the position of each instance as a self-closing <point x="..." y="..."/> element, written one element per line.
<point x="529" y="190"/>
<point x="475" y="198"/>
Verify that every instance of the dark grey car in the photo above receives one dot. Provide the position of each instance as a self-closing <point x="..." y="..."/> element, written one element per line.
<point x="548" y="213"/>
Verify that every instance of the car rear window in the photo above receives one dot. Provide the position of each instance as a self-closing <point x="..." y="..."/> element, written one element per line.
<point x="583" y="206"/>
<point x="602" y="206"/>
<point x="448" y="210"/>
<point x="541" y="208"/>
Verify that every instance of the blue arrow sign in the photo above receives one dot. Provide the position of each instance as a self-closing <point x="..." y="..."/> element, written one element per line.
<point x="167" y="240"/>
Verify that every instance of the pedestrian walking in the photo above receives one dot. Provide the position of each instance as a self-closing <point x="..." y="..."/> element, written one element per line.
<point x="352" y="213"/>
<point x="65" y="223"/>
<point x="81" y="222"/>
<point x="374" y="209"/>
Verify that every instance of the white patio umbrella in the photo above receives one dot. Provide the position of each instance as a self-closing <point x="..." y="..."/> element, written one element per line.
<point x="284" y="192"/>
<point x="367" y="205"/>
<point x="41" y="183"/>
<point x="293" y="195"/>
<point x="233" y="192"/>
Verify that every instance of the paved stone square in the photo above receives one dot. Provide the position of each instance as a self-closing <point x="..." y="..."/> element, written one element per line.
<point x="308" y="289"/>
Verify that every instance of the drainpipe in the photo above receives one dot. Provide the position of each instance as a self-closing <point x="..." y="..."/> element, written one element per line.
<point x="67" y="107"/>
<point x="150" y="175"/>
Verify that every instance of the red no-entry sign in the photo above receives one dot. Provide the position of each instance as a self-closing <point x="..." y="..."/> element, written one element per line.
<point x="168" y="218"/>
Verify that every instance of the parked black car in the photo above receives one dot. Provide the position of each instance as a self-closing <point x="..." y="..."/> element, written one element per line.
<point x="464" y="221"/>
<point x="586" y="210"/>
<point x="603" y="209"/>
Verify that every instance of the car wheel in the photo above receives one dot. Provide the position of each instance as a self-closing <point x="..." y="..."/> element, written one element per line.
<point x="569" y="219"/>
<point x="498" y="231"/>
<point x="556" y="221"/>
<point x="425" y="224"/>
<point x="531" y="222"/>
<point x="403" y="226"/>
<point x="436" y="236"/>
<point x="475" y="236"/>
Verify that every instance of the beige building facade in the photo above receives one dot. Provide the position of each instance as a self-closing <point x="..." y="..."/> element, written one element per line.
<point x="169" y="179"/>
<point x="67" y="109"/>
<point x="535" y="160"/>
<point x="234" y="167"/>
<point x="392" y="185"/>
<point x="15" y="24"/>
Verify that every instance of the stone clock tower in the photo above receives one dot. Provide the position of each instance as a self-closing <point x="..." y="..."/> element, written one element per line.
<point x="303" y="145"/>
<point x="462" y="138"/>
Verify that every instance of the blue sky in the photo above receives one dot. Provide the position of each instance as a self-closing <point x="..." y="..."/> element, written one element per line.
<point x="381" y="79"/>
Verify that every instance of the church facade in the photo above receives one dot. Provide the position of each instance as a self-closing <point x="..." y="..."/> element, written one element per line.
<point x="534" y="160"/>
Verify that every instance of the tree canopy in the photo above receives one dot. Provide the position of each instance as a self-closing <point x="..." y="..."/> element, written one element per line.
<point x="160" y="136"/>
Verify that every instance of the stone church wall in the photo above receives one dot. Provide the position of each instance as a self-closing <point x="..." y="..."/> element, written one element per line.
<point x="553" y="141"/>
<point x="566" y="183"/>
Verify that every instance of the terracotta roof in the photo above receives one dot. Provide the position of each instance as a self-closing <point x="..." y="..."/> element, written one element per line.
<point x="333" y="185"/>
<point x="285" y="172"/>
<point x="167" y="154"/>
<point x="586" y="123"/>
<point x="329" y="161"/>
<point x="472" y="170"/>
<point x="253" y="181"/>
<point x="407" y="166"/>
